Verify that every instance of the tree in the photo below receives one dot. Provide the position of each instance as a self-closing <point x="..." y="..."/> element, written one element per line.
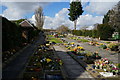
<point x="39" y="17"/>
<point x="75" y="11"/>
<point x="113" y="17"/>
<point x="62" y="29"/>
<point x="106" y="18"/>
<point x="104" y="31"/>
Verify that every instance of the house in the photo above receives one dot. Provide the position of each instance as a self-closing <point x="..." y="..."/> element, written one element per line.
<point x="27" y="28"/>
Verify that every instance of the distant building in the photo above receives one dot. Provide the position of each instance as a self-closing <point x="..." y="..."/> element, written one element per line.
<point x="26" y="27"/>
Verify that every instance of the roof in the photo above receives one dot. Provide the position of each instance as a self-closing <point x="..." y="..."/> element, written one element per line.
<point x="26" y="23"/>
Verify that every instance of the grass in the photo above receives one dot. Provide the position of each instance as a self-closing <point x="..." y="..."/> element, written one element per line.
<point x="55" y="40"/>
<point x="107" y="42"/>
<point x="83" y="40"/>
<point x="50" y="35"/>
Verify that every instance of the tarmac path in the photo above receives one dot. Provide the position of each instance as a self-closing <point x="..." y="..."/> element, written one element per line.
<point x="16" y="66"/>
<point x="73" y="69"/>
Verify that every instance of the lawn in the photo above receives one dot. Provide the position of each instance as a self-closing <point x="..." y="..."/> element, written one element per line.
<point x="56" y="40"/>
<point x="83" y="40"/>
<point x="50" y="35"/>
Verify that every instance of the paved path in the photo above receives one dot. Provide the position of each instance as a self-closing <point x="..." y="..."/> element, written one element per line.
<point x="15" y="67"/>
<point x="105" y="54"/>
<point x="72" y="68"/>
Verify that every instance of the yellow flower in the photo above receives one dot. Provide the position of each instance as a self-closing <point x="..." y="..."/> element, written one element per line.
<point x="65" y="44"/>
<point x="72" y="43"/>
<point x="60" y="62"/>
<point x="79" y="47"/>
<point x="48" y="60"/>
<point x="101" y="43"/>
<point x="96" y="42"/>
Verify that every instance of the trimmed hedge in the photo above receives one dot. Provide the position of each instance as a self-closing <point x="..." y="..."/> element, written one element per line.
<point x="104" y="31"/>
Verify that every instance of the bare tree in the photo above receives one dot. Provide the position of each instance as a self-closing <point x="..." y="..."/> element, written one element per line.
<point x="63" y="29"/>
<point x="39" y="17"/>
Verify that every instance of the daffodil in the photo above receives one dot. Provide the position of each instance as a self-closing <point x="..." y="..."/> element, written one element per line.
<point x="72" y="43"/>
<point x="48" y="60"/>
<point x="60" y="62"/>
<point x="79" y="47"/>
<point x="65" y="44"/>
<point x="101" y="43"/>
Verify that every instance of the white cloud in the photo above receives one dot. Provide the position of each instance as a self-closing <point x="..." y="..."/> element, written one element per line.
<point x="100" y="8"/>
<point x="34" y="0"/>
<point x="88" y="20"/>
<point x="61" y="18"/>
<point x="16" y="10"/>
<point x="96" y="0"/>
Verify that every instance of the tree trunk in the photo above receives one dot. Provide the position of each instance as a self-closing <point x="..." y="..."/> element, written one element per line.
<point x="75" y="22"/>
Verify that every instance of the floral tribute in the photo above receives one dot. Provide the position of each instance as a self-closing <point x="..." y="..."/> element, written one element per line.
<point x="41" y="63"/>
<point x="107" y="66"/>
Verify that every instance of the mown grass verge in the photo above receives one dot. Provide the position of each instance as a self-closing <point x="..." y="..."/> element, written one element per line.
<point x="83" y="40"/>
<point x="56" y="40"/>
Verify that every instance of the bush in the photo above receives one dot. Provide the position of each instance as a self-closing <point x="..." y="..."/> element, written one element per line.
<point x="104" y="31"/>
<point x="103" y="46"/>
<point x="88" y="54"/>
<point x="113" y="46"/>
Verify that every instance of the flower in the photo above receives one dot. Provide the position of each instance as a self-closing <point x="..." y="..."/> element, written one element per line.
<point x="75" y="49"/>
<point x="79" y="47"/>
<point x="115" y="68"/>
<point x="47" y="44"/>
<point x="72" y="43"/>
<point x="48" y="60"/>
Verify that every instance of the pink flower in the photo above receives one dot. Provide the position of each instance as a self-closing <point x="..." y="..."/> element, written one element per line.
<point x="115" y="68"/>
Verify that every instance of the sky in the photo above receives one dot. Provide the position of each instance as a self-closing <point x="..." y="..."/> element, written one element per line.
<point x="56" y="12"/>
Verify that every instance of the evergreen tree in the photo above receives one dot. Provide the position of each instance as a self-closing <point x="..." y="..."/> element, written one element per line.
<point x="75" y="11"/>
<point x="106" y="18"/>
<point x="104" y="31"/>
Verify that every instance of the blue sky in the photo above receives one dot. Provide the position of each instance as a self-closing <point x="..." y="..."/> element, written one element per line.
<point x="55" y="7"/>
<point x="93" y="12"/>
<point x="51" y="9"/>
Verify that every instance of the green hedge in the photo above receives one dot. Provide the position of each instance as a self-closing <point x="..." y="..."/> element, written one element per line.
<point x="12" y="35"/>
<point x="104" y="31"/>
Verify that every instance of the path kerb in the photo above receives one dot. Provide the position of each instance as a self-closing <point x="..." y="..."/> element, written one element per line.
<point x="14" y="56"/>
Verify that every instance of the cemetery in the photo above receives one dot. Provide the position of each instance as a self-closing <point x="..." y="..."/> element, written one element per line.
<point x="104" y="67"/>
<point x="61" y="40"/>
<point x="43" y="64"/>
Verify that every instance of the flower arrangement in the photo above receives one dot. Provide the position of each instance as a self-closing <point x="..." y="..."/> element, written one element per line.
<point x="81" y="48"/>
<point x="72" y="43"/>
<point x="113" y="46"/>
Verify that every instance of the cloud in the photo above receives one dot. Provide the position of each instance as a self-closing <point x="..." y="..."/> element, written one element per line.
<point x="88" y="20"/>
<point x="100" y="8"/>
<point x="17" y="10"/>
<point x="61" y="18"/>
<point x="96" y="0"/>
<point x="34" y="0"/>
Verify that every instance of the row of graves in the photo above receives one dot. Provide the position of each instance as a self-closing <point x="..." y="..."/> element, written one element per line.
<point x="59" y="35"/>
<point x="43" y="65"/>
<point x="103" y="66"/>
<point x="111" y="46"/>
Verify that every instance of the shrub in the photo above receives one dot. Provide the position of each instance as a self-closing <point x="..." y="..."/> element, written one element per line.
<point x="88" y="54"/>
<point x="103" y="46"/>
<point x="113" y="46"/>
